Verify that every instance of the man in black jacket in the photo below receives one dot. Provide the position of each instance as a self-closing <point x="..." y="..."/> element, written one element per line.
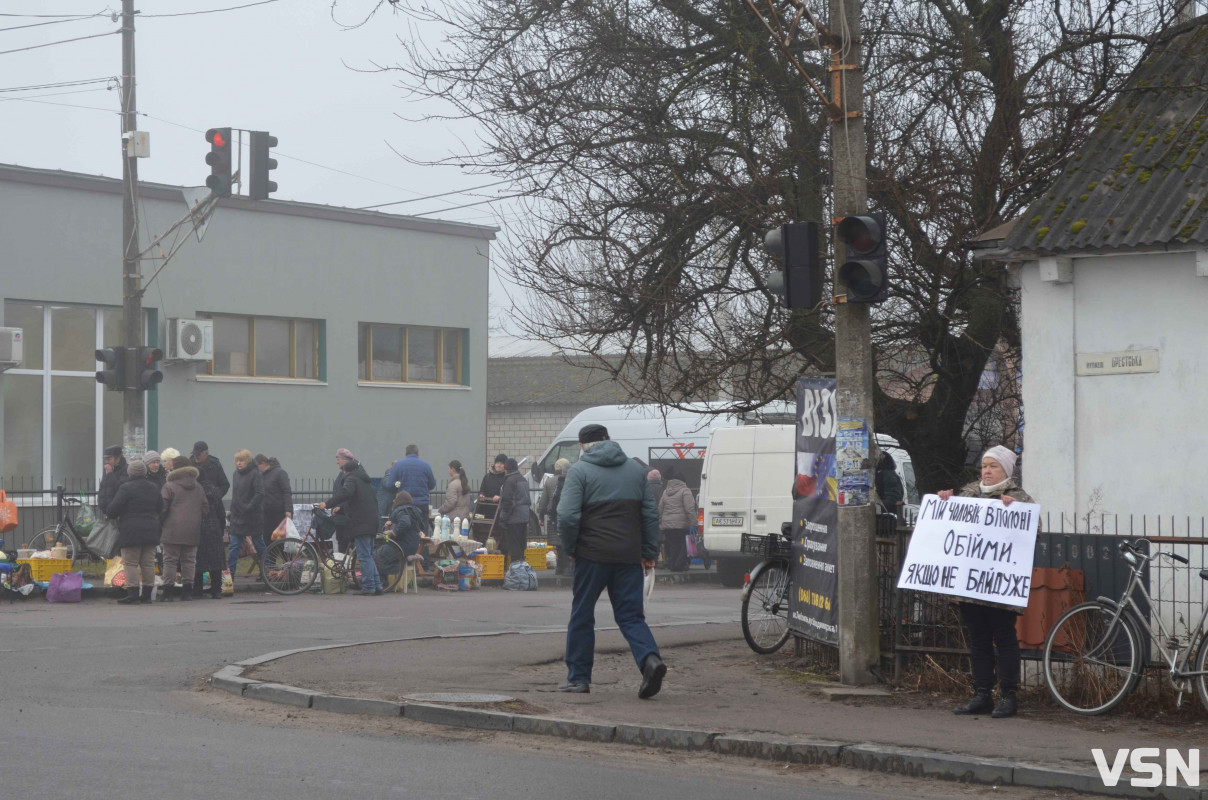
<point x="278" y="496"/>
<point x="115" y="476"/>
<point x="211" y="553"/>
<point x="354" y="496"/>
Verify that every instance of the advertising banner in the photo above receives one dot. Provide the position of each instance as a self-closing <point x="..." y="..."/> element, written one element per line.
<point x="813" y="605"/>
<point x="973" y="548"/>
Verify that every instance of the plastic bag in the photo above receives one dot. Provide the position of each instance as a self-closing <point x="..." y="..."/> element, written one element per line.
<point x="8" y="513"/>
<point x="65" y="587"/>
<point x="331" y="584"/>
<point x="115" y="574"/>
<point x="103" y="539"/>
<point x="286" y="529"/>
<point x="647" y="589"/>
<point x="228" y="583"/>
<point x="85" y="519"/>
<point x="520" y="577"/>
<point x="247" y="549"/>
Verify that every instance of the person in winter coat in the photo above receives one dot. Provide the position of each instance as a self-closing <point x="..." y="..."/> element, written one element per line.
<point x="115" y="475"/>
<point x="278" y="496"/>
<point x="413" y="475"/>
<point x="889" y="485"/>
<point x="155" y="468"/>
<point x="677" y="514"/>
<point x="457" y="496"/>
<point x="211" y="551"/>
<point x="406" y="523"/>
<point x="547" y="510"/>
<point x="655" y="479"/>
<point x="609" y="525"/>
<point x="136" y="508"/>
<point x="247" y="508"/>
<point x="491" y="484"/>
<point x="184" y="506"/>
<point x="990" y="627"/>
<point x="354" y="497"/>
<point x="514" y="505"/>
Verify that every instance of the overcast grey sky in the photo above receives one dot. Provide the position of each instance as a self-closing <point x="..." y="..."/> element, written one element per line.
<point x="285" y="67"/>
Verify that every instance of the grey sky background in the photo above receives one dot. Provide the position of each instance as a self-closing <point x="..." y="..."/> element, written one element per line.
<point x="285" y="67"/>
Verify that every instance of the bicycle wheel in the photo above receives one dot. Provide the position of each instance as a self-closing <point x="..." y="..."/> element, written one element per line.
<point x="1201" y="680"/>
<point x="389" y="558"/>
<point x="289" y="566"/>
<point x="1090" y="664"/>
<point x="765" y="609"/>
<point x="55" y="537"/>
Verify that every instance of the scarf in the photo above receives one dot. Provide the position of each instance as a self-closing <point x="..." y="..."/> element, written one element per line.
<point x="996" y="488"/>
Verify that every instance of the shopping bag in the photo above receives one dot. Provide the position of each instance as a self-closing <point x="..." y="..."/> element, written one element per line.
<point x="279" y="531"/>
<point x="331" y="584"/>
<point x="647" y="588"/>
<point x="65" y="587"/>
<point x="85" y="519"/>
<point x="8" y="513"/>
<point x="115" y="574"/>
<point x="520" y="577"/>
<point x="291" y="530"/>
<point x="228" y="583"/>
<point x="103" y="539"/>
<point x="247" y="549"/>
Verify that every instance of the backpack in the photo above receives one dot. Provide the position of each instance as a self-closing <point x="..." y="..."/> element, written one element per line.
<point x="520" y="577"/>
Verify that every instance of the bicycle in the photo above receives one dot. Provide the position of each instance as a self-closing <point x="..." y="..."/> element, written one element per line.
<point x="64" y="534"/>
<point x="291" y="566"/>
<point x="1094" y="655"/>
<point x="765" y="597"/>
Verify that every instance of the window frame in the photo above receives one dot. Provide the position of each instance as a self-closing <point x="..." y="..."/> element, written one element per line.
<point x="316" y="337"/>
<point x="365" y="336"/>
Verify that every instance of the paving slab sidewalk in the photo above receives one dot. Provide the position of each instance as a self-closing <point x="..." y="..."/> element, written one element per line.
<point x="714" y="683"/>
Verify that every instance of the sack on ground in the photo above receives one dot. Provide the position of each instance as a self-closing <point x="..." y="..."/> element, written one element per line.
<point x="228" y="583"/>
<point x="85" y="519"/>
<point x="65" y="587"/>
<point x="331" y="584"/>
<point x="8" y="513"/>
<point x="520" y="577"/>
<point x="115" y="574"/>
<point x="103" y="539"/>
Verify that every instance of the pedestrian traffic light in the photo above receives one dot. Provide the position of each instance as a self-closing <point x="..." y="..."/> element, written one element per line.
<point x="260" y="187"/>
<point x="148" y="367"/>
<point x="219" y="159"/>
<point x="864" y="271"/>
<point x="795" y="246"/>
<point x="113" y="373"/>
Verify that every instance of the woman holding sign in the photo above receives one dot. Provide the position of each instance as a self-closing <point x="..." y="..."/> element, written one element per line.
<point x="990" y="626"/>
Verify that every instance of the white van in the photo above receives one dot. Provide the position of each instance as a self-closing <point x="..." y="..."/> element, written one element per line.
<point x="746" y="488"/>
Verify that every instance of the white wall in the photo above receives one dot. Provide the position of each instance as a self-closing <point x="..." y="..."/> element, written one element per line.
<point x="1135" y="440"/>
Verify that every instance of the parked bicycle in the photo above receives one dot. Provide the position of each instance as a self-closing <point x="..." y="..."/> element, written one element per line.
<point x="1096" y="652"/>
<point x="291" y="566"/>
<point x="64" y="534"/>
<point x="765" y="597"/>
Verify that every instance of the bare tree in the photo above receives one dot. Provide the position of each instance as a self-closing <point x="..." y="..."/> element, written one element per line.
<point x="656" y="140"/>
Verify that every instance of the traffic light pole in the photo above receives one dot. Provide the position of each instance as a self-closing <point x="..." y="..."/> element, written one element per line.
<point x="134" y="426"/>
<point x="859" y="645"/>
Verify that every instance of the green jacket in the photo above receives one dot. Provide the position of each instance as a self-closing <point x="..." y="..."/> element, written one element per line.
<point x="607" y="512"/>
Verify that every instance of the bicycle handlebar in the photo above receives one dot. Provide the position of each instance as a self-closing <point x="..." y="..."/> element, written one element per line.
<point x="1132" y="549"/>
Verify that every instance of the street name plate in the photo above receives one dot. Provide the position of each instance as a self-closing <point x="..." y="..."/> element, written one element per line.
<point x="1121" y="363"/>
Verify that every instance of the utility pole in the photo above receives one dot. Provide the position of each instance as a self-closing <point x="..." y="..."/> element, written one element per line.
<point x="134" y="427"/>
<point x="859" y="645"/>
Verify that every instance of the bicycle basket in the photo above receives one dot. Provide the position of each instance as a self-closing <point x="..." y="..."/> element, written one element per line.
<point x="772" y="545"/>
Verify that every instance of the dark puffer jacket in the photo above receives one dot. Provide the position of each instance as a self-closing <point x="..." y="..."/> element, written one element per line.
<point x="247" y="502"/>
<point x="214" y="480"/>
<point x="278" y="496"/>
<point x="408" y="522"/>
<point x="184" y="505"/>
<point x="607" y="511"/>
<point x="514" y="500"/>
<point x="136" y="509"/>
<point x="355" y="498"/>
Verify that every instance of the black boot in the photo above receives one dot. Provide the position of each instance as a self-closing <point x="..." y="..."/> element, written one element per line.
<point x="145" y="595"/>
<point x="169" y="590"/>
<point x="981" y="703"/>
<point x="215" y="586"/>
<point x="1008" y="706"/>
<point x="131" y="596"/>
<point x="186" y="592"/>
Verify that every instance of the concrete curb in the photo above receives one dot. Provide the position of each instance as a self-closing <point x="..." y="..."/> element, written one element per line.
<point x="854" y="755"/>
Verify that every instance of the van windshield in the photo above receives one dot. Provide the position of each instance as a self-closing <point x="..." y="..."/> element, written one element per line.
<point x="568" y="449"/>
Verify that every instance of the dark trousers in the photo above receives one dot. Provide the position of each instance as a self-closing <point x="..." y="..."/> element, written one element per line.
<point x="515" y="539"/>
<point x="675" y="548"/>
<point x="426" y="510"/>
<point x="624" y="584"/>
<point x="989" y="629"/>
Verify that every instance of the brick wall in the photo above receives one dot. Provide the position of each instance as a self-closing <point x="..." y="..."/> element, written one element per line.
<point x="523" y="431"/>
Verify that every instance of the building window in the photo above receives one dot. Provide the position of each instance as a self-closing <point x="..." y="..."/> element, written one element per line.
<point x="410" y="354"/>
<point x="57" y="418"/>
<point x="265" y="347"/>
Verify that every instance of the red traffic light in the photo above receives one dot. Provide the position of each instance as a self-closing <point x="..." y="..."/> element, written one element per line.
<point x="861" y="234"/>
<point x="214" y="136"/>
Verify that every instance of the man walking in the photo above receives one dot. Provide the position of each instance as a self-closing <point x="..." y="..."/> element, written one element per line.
<point x="609" y="525"/>
<point x="412" y="475"/>
<point x="278" y="496"/>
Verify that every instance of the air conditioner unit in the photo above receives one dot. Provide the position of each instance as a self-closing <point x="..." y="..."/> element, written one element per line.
<point x="190" y="340"/>
<point x="11" y="348"/>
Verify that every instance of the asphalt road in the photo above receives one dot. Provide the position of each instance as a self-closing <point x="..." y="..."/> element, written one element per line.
<point x="101" y="700"/>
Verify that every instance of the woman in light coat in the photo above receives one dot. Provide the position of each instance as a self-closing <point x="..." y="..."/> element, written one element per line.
<point x="457" y="496"/>
<point x="677" y="514"/>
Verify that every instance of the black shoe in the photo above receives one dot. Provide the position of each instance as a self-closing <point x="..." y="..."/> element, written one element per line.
<point x="981" y="703"/>
<point x="186" y="592"/>
<point x="653" y="671"/>
<point x="575" y="688"/>
<point x="169" y="590"/>
<point x="145" y="597"/>
<point x="1008" y="706"/>
<point x="130" y="598"/>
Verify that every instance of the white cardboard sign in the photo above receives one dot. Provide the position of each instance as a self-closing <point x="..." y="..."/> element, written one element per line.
<point x="973" y="548"/>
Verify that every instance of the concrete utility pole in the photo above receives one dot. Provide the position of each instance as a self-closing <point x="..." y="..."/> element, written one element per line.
<point x="859" y="645"/>
<point x="134" y="427"/>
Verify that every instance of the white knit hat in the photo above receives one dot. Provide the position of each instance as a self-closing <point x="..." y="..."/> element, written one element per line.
<point x="1004" y="457"/>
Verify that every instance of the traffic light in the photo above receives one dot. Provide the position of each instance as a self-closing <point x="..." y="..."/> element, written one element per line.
<point x="795" y="246"/>
<point x="219" y="159"/>
<point x="260" y="186"/>
<point x="113" y="373"/>
<point x="865" y="268"/>
<point x="148" y="367"/>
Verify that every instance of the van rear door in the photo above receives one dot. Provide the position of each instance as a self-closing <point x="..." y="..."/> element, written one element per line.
<point x="772" y="478"/>
<point x="727" y="500"/>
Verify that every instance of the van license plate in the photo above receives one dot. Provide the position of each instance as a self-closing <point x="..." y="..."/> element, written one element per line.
<point x="732" y="520"/>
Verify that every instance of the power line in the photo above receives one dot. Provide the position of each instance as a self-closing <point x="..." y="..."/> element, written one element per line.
<point x="61" y="41"/>
<point x="466" y="205"/>
<point x="60" y="94"/>
<point x="60" y="85"/>
<point x="52" y="22"/>
<point x="208" y="11"/>
<point x="434" y="196"/>
<point x="59" y="16"/>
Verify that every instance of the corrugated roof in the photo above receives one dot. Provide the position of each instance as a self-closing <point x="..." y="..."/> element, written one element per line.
<point x="1141" y="179"/>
